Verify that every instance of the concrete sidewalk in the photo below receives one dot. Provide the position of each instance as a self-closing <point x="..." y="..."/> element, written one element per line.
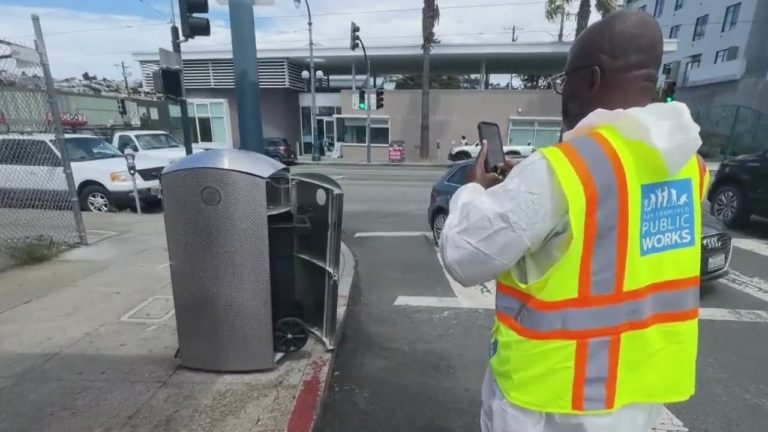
<point x="87" y="344"/>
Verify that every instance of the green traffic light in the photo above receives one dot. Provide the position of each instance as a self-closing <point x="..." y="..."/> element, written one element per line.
<point x="670" y="99"/>
<point x="361" y="105"/>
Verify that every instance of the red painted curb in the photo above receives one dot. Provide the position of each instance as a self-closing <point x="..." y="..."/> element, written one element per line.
<point x="307" y="403"/>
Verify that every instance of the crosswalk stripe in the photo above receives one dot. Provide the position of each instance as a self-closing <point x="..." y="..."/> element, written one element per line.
<point x="751" y="245"/>
<point x="755" y="287"/>
<point x="669" y="423"/>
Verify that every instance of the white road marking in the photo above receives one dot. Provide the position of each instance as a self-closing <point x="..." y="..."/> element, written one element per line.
<point x="393" y="234"/>
<point x="163" y="265"/>
<point x="669" y="423"/>
<point x="755" y="287"/>
<point x="742" y="315"/>
<point x="426" y="301"/>
<point x="337" y="177"/>
<point x="751" y="245"/>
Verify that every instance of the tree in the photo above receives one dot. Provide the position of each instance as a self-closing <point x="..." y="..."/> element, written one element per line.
<point x="441" y="82"/>
<point x="534" y="82"/>
<point x="430" y="16"/>
<point x="604" y="7"/>
<point x="557" y="9"/>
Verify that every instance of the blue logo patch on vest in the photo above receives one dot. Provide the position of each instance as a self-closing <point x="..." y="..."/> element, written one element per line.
<point x="667" y="218"/>
<point x="492" y="348"/>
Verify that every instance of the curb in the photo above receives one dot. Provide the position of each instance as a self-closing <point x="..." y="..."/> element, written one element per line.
<point x="315" y="380"/>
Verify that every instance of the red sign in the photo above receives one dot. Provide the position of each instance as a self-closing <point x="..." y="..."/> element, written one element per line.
<point x="70" y="119"/>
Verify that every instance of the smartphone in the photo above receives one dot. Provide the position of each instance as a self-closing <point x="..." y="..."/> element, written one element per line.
<point x="492" y="134"/>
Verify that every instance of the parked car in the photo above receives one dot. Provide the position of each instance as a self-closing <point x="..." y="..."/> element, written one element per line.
<point x="740" y="189"/>
<point x="280" y="149"/>
<point x="715" y="241"/>
<point x="156" y="143"/>
<point x="466" y="152"/>
<point x="30" y="171"/>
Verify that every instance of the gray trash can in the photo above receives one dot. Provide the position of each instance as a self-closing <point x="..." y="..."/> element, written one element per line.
<point x="217" y="205"/>
<point x="318" y="204"/>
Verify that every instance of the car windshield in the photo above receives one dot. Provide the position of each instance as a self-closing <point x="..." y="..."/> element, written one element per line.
<point x="90" y="148"/>
<point x="157" y="141"/>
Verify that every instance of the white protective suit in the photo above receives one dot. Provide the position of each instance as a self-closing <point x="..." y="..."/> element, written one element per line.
<point x="522" y="224"/>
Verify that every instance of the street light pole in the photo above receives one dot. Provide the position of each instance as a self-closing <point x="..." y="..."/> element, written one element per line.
<point x="313" y="114"/>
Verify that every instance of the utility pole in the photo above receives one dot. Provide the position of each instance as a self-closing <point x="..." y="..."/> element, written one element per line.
<point x="176" y="44"/>
<point x="125" y="78"/>
<point x="515" y="37"/>
<point x="562" y="22"/>
<point x="312" y="83"/>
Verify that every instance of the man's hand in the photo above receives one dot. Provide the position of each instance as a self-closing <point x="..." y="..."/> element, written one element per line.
<point x="484" y="179"/>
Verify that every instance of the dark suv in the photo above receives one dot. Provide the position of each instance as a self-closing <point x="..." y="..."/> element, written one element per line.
<point x="740" y="189"/>
<point x="280" y="149"/>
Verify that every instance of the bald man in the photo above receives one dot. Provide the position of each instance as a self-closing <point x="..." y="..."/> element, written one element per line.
<point x="597" y="278"/>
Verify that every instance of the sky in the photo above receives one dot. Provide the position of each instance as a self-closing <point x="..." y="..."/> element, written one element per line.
<point x="95" y="36"/>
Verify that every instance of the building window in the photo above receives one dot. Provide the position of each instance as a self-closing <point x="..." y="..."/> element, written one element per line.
<point x="674" y="31"/>
<point x="538" y="133"/>
<point x="658" y="10"/>
<point x="731" y="17"/>
<point x="701" y="27"/>
<point x="351" y="130"/>
<point x="209" y="122"/>
<point x="642" y="8"/>
<point x="722" y="56"/>
<point x="679" y="4"/>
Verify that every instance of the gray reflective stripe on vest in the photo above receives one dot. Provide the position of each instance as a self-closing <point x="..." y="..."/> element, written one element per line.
<point x="596" y="373"/>
<point x="597" y="317"/>
<point x="604" y="259"/>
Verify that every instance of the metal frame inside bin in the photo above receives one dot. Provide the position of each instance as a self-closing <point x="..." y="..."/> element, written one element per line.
<point x="318" y="200"/>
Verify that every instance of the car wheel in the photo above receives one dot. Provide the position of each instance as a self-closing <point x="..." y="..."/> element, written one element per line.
<point x="96" y="199"/>
<point x="729" y="207"/>
<point x="438" y="222"/>
<point x="277" y="158"/>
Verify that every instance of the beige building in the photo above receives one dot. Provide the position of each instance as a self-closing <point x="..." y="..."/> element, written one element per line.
<point x="524" y="116"/>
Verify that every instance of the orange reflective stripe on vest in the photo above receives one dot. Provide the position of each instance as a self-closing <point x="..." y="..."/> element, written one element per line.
<point x="602" y="311"/>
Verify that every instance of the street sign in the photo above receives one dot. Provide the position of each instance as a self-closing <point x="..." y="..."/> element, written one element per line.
<point x="169" y="59"/>
<point x="255" y="2"/>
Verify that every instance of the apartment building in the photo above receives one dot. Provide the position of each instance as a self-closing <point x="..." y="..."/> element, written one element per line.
<point x="722" y="51"/>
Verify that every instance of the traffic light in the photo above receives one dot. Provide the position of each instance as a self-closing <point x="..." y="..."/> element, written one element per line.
<point x="192" y="25"/>
<point x="669" y="91"/>
<point x="361" y="99"/>
<point x="168" y="82"/>
<point x="354" y="37"/>
<point x="379" y="99"/>
<point x="121" y="107"/>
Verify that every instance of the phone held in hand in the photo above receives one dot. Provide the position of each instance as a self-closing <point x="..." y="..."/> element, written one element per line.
<point x="492" y="134"/>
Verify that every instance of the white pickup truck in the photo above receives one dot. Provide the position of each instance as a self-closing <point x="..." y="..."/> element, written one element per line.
<point x="156" y="143"/>
<point x="470" y="151"/>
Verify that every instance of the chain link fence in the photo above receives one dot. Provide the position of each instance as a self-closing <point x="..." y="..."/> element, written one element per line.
<point x="37" y="218"/>
<point x="731" y="130"/>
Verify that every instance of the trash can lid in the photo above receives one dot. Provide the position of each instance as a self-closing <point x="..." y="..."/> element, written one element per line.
<point x="229" y="159"/>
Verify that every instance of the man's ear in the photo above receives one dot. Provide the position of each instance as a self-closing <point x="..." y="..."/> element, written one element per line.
<point x="595" y="79"/>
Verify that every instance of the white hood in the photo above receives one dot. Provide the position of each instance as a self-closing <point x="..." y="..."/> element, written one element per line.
<point x="668" y="127"/>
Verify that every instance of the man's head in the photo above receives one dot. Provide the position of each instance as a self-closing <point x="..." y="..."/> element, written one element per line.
<point x="612" y="64"/>
<point x="463" y="137"/>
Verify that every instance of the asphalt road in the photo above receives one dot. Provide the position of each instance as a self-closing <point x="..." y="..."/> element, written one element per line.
<point x="418" y="368"/>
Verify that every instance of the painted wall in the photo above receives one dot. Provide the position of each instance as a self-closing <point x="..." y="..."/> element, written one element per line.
<point x="452" y="113"/>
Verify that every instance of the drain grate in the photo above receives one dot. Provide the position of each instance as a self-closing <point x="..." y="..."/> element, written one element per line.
<point x="152" y="310"/>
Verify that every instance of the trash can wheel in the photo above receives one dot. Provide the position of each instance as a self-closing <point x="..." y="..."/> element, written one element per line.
<point x="290" y="335"/>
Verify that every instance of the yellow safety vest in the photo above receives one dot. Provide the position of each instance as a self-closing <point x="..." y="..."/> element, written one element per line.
<point x="615" y="320"/>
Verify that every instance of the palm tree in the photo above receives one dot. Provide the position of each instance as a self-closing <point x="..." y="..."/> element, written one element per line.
<point x="557" y="9"/>
<point x="430" y="15"/>
<point x="585" y="9"/>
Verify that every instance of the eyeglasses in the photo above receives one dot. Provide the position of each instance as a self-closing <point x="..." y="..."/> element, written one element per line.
<point x="558" y="81"/>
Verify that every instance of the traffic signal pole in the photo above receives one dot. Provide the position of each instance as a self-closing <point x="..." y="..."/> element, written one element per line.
<point x="185" y="131"/>
<point x="246" y="75"/>
<point x="367" y="102"/>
